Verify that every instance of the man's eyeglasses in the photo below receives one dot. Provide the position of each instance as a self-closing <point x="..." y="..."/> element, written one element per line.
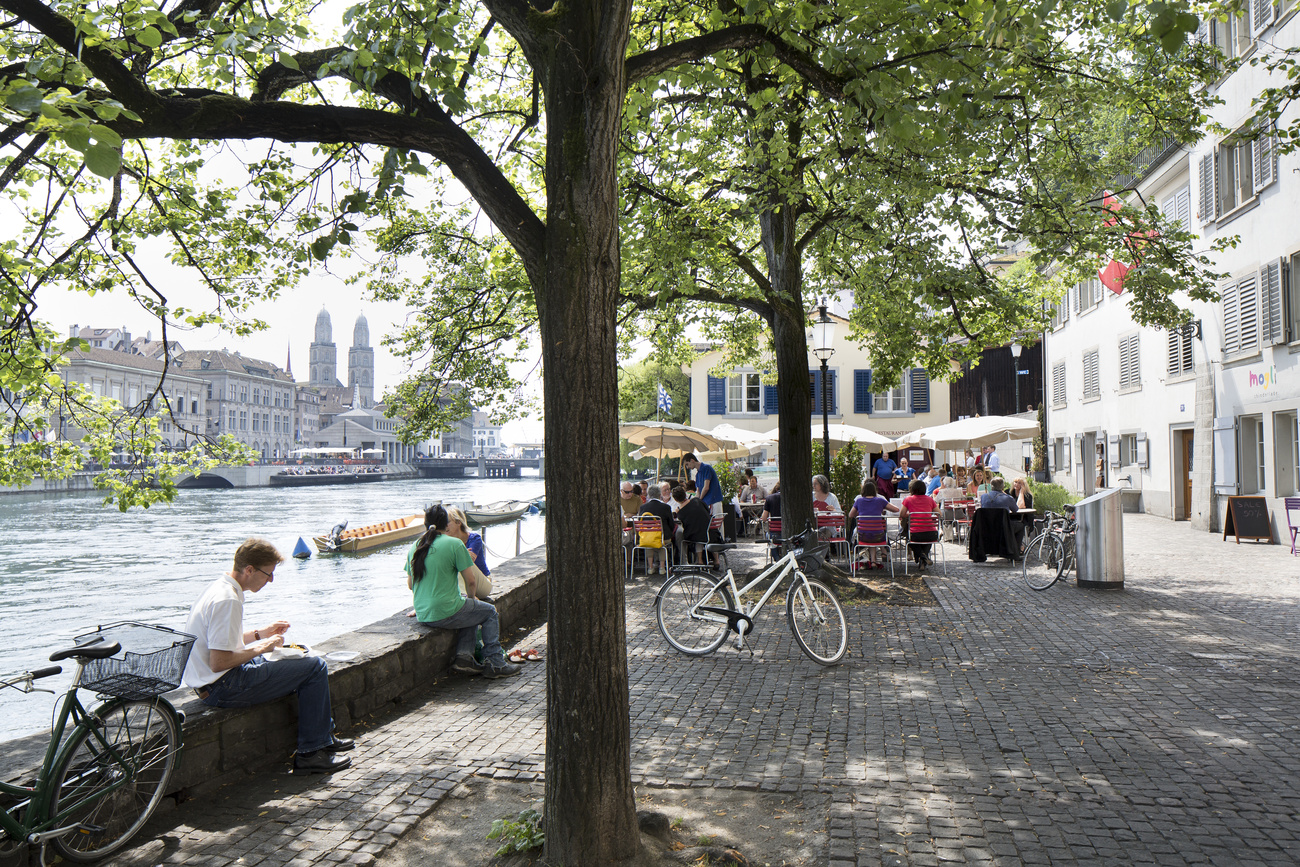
<point x="264" y="572"/>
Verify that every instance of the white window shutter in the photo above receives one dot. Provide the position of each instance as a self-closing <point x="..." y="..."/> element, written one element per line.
<point x="1067" y="454"/>
<point x="1272" y="328"/>
<point x="1143" y="452"/>
<point x="1248" y="299"/>
<point x="1261" y="16"/>
<point x="1209" y="198"/>
<point x="1231" y="320"/>
<point x="1173" y="363"/>
<point x="1225" y="455"/>
<point x="1265" y="155"/>
<point x="1112" y="448"/>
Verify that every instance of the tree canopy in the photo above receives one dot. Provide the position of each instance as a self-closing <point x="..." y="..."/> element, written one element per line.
<point x="248" y="142"/>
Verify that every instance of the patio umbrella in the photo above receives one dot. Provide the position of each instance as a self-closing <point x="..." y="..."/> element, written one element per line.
<point x="667" y="439"/>
<point x="747" y="442"/>
<point x="971" y="433"/>
<point x="842" y="434"/>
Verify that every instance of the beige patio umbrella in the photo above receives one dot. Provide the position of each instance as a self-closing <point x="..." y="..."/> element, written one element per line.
<point x="967" y="433"/>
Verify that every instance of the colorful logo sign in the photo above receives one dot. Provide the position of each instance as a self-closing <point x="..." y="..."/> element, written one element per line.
<point x="1265" y="380"/>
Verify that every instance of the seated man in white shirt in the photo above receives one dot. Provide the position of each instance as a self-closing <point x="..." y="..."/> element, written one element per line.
<point x="226" y="670"/>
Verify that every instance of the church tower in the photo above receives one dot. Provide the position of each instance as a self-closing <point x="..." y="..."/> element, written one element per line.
<point x="323" y="358"/>
<point x="361" y="363"/>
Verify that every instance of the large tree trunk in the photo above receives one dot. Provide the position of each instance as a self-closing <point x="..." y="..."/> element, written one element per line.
<point x="590" y="815"/>
<point x="794" y="396"/>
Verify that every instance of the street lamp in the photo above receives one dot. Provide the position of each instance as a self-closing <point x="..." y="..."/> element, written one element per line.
<point x="824" y="348"/>
<point x="1015" y="361"/>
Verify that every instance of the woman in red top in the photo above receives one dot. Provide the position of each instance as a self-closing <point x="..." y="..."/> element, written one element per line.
<point x="920" y="504"/>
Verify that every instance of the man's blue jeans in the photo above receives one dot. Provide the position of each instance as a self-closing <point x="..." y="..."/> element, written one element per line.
<point x="475" y="613"/>
<point x="259" y="680"/>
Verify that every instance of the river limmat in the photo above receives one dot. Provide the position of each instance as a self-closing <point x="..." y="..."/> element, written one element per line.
<point x="69" y="563"/>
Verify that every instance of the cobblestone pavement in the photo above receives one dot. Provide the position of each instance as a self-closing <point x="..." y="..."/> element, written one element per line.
<point x="1159" y="724"/>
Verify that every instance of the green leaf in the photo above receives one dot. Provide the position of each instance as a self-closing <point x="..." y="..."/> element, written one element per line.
<point x="105" y="135"/>
<point x="1116" y="9"/>
<point x="149" y="37"/>
<point x="289" y="60"/>
<point x="26" y="99"/>
<point x="103" y="160"/>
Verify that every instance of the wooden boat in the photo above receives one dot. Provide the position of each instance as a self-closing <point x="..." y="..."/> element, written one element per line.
<point x="497" y="513"/>
<point x="371" y="536"/>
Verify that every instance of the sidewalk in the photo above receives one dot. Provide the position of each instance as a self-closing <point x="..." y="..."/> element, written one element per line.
<point x="1158" y="724"/>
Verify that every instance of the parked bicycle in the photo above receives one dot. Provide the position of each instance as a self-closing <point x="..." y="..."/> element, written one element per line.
<point x="98" y="785"/>
<point x="1051" y="553"/>
<point x="696" y="607"/>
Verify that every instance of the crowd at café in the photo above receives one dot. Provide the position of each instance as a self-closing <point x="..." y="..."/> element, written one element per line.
<point x="897" y="499"/>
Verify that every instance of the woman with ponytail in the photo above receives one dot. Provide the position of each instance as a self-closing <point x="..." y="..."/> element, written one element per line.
<point x="432" y="567"/>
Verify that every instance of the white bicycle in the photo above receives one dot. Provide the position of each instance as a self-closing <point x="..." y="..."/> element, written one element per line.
<point x="696" y="607"/>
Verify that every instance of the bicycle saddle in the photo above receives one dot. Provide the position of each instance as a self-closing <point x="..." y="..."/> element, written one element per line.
<point x="1069" y="508"/>
<point x="84" y="651"/>
<point x="718" y="547"/>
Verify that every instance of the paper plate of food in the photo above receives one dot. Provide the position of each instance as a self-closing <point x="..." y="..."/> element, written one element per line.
<point x="289" y="651"/>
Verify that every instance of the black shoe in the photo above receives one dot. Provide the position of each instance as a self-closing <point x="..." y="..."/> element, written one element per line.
<point x="319" y="762"/>
<point x="339" y="745"/>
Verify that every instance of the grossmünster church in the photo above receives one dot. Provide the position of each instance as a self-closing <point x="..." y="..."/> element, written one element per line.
<point x="361" y="362"/>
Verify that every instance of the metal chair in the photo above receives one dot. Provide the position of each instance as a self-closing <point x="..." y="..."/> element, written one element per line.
<point x="647" y="524"/>
<point x="926" y="522"/>
<point x="1293" y="521"/>
<point x="773" y="537"/>
<point x="837" y="537"/>
<point x="870" y="527"/>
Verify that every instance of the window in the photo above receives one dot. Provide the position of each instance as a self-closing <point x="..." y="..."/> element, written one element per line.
<point x="1286" y="453"/>
<point x="1180" y="351"/>
<point x="1241" y="317"/>
<point x="815" y="383"/>
<point x="1128" y="445"/>
<point x="266" y="422"/>
<point x="1232" y="175"/>
<point x="744" y="394"/>
<point x="1130" y="368"/>
<point x="1058" y="384"/>
<point x="243" y="420"/>
<point x="1252" y="455"/>
<point x="231" y="426"/>
<point x="1089" y="294"/>
<point x="257" y="395"/>
<point x="1291" y="293"/>
<point x="894" y="400"/>
<point x="194" y="406"/>
<point x="1232" y="37"/>
<point x="1091" y="378"/>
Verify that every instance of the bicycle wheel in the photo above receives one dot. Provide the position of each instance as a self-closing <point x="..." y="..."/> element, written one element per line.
<point x="817" y="621"/>
<point x="112" y="777"/>
<point x="1044" y="561"/>
<point x="695" y="633"/>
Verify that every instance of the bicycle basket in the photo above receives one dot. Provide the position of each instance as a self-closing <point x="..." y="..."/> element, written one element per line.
<point x="152" y="661"/>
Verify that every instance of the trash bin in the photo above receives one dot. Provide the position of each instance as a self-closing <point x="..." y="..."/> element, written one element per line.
<point x="1099" y="540"/>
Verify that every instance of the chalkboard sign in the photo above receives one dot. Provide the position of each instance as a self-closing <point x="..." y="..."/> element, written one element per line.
<point x="1248" y="518"/>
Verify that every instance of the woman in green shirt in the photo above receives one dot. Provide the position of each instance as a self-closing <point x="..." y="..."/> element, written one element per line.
<point x="432" y="565"/>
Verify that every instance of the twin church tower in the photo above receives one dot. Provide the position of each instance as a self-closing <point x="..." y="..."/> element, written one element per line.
<point x="361" y="359"/>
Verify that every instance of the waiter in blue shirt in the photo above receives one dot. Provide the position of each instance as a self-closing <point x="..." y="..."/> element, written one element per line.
<point x="706" y="483"/>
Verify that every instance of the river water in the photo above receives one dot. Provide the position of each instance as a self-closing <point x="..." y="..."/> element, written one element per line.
<point x="69" y="563"/>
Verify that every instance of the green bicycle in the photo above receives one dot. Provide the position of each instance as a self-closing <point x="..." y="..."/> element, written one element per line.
<point x="105" y="769"/>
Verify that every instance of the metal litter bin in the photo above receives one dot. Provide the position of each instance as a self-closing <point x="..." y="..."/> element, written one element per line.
<point x="1099" y="540"/>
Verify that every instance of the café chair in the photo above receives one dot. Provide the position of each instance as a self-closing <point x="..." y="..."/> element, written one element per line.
<point x="872" y="527"/>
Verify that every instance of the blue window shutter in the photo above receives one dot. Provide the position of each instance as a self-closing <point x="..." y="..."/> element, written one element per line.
<point x="770" y="400"/>
<point x="835" y="392"/>
<point x="815" y="383"/>
<point x="862" y="392"/>
<point x="717" y="396"/>
<point x="920" y="390"/>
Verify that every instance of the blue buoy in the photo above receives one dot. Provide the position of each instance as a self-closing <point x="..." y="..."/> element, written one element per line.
<point x="532" y="509"/>
<point x="301" y="551"/>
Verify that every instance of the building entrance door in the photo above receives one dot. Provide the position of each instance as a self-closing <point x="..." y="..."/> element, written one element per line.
<point x="1184" y="463"/>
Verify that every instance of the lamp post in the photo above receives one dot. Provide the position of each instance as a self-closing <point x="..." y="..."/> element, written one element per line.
<point x="1015" y="361"/>
<point x="823" y="348"/>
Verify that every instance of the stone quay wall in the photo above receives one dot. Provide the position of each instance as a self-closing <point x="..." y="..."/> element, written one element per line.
<point x="397" y="656"/>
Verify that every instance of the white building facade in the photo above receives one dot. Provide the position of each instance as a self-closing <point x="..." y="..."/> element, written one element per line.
<point x="1194" y="416"/>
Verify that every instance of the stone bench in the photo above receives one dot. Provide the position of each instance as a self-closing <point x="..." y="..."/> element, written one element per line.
<point x="397" y="657"/>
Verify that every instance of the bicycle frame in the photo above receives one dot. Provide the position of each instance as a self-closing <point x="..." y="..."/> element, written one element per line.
<point x="787" y="564"/>
<point x="37" y="826"/>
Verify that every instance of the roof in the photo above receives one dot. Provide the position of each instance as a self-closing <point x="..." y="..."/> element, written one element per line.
<point x="196" y="360"/>
<point x="123" y="359"/>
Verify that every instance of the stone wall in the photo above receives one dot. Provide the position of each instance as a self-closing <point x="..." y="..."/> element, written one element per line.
<point x="397" y="656"/>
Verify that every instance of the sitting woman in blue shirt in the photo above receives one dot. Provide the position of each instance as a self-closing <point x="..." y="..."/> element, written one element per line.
<point x="458" y="526"/>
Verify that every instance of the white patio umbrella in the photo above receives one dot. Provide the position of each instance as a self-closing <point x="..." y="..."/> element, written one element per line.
<point x="842" y="434"/>
<point x="970" y="433"/>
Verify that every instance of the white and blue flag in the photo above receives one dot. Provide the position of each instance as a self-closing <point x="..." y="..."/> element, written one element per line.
<point x="665" y="399"/>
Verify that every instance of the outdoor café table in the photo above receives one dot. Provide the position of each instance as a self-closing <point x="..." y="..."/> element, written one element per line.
<point x="752" y="513"/>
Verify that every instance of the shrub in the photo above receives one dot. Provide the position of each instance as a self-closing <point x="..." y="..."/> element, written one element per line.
<point x="1050" y="497"/>
<point x="519" y="834"/>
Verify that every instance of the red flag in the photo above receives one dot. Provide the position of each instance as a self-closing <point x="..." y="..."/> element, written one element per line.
<point x="1112" y="276"/>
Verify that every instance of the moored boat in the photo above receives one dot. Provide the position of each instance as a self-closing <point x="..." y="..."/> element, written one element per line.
<point x="371" y="536"/>
<point x="497" y="513"/>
